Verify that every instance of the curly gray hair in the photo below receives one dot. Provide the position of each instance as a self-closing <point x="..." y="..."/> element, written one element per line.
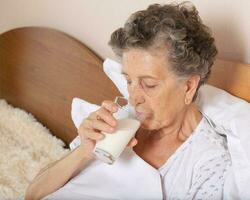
<point x="190" y="47"/>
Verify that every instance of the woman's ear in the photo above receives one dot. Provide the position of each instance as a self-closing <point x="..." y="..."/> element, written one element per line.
<point x="191" y="87"/>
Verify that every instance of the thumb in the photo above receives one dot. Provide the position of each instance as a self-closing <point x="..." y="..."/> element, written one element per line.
<point x="132" y="142"/>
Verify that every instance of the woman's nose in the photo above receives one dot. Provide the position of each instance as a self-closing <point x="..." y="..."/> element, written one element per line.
<point x="135" y="96"/>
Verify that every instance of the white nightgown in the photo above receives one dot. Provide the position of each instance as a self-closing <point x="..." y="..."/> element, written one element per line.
<point x="197" y="170"/>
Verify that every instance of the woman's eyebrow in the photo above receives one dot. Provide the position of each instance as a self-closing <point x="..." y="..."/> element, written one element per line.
<point x="141" y="77"/>
<point x="124" y="73"/>
<point x="147" y="76"/>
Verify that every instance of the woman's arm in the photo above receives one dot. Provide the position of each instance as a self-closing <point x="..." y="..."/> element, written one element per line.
<point x="58" y="173"/>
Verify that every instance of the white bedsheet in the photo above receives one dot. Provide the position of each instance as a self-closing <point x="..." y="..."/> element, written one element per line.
<point x="197" y="169"/>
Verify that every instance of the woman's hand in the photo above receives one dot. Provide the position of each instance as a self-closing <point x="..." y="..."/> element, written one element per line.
<point x="97" y="122"/>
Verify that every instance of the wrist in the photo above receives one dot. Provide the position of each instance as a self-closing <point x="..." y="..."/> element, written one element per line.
<point x="83" y="157"/>
<point x="85" y="153"/>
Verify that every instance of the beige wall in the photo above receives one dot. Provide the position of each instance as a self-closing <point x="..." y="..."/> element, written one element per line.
<point x="92" y="21"/>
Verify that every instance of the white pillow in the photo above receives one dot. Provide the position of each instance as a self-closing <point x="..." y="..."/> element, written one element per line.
<point x="113" y="70"/>
<point x="228" y="112"/>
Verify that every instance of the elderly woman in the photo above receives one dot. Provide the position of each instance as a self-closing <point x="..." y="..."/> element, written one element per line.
<point x="167" y="54"/>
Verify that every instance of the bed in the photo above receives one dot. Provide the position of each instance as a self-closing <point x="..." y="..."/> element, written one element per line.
<point x="42" y="70"/>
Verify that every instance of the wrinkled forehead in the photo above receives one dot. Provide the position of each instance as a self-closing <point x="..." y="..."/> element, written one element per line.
<point x="139" y="62"/>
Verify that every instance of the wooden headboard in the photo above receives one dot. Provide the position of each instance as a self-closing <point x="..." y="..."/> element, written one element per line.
<point x="41" y="70"/>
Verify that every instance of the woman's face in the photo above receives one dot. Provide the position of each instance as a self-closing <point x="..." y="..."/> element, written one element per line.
<point x="157" y="94"/>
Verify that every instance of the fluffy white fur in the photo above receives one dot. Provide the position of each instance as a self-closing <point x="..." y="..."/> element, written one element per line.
<point x="26" y="146"/>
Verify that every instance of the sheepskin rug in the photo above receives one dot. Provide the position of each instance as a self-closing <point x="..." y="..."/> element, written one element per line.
<point x="26" y="146"/>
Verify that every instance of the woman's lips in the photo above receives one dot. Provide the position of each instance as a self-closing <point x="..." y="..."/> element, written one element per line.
<point x="141" y="116"/>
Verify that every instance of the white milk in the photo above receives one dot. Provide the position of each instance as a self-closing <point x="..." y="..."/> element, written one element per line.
<point x="110" y="148"/>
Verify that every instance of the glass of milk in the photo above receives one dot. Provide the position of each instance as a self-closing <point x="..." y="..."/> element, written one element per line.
<point x="113" y="144"/>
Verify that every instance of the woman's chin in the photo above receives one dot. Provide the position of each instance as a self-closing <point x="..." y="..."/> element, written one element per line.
<point x="148" y="125"/>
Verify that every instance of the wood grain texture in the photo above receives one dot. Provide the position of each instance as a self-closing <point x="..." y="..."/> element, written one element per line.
<point x="233" y="77"/>
<point x="41" y="70"/>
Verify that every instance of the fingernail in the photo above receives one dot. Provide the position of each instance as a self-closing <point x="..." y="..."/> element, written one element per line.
<point x="111" y="129"/>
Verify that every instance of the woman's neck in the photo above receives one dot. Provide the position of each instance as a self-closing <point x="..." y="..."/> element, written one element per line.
<point x="156" y="147"/>
<point x="180" y="130"/>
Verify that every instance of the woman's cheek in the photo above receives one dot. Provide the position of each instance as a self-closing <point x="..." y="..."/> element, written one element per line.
<point x="151" y="123"/>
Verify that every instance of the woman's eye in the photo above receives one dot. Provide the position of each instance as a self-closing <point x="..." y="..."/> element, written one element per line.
<point x="150" y="86"/>
<point x="128" y="82"/>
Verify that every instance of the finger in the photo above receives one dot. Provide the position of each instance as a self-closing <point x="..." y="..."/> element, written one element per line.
<point x="106" y="116"/>
<point x="93" y="115"/>
<point x="85" y="128"/>
<point x="110" y="106"/>
<point x="99" y="125"/>
<point x="92" y="134"/>
<point x="132" y="142"/>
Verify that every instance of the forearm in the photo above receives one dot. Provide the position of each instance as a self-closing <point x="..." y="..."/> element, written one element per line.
<point x="58" y="174"/>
